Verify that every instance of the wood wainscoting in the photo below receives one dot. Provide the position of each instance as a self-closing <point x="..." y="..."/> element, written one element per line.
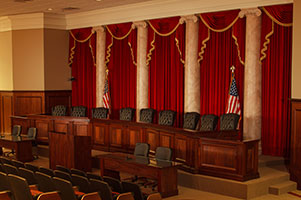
<point x="295" y="149"/>
<point x="22" y="103"/>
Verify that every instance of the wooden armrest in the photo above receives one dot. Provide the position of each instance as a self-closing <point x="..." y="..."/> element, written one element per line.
<point x="50" y="195"/>
<point x="91" y="196"/>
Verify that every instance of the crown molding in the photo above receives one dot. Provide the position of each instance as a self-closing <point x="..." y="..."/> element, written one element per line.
<point x="55" y="21"/>
<point x="5" y="24"/>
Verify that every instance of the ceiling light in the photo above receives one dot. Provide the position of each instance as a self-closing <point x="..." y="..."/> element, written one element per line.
<point x="98" y="0"/>
<point x="49" y="9"/>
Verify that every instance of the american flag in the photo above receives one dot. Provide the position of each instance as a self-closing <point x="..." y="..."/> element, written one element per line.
<point x="106" y="95"/>
<point x="233" y="98"/>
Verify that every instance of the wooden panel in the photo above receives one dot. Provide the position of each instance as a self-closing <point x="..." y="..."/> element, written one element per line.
<point x="166" y="140"/>
<point x="152" y="137"/>
<point x="80" y="129"/>
<point x="116" y="135"/>
<point x="43" y="127"/>
<point x="99" y="134"/>
<point x="60" y="97"/>
<point x="181" y="148"/>
<point x="134" y="135"/>
<point x="295" y="149"/>
<point x="23" y="121"/>
<point x="29" y="103"/>
<point x="6" y="110"/>
<point x="62" y="126"/>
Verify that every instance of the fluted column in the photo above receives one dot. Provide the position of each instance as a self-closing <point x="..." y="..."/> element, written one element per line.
<point x="192" y="66"/>
<point x="142" y="68"/>
<point x="252" y="86"/>
<point x="100" y="63"/>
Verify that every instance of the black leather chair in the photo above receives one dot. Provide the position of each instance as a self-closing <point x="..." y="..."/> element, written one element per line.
<point x="45" y="182"/>
<point x="10" y="169"/>
<point x="32" y="133"/>
<point x="18" y="164"/>
<point x="229" y="121"/>
<point x="31" y="167"/>
<point x="167" y="117"/>
<point x="28" y="175"/>
<point x="79" y="111"/>
<point x="114" y="183"/>
<point x="62" y="175"/>
<point x="63" y="169"/>
<point x="141" y="149"/>
<point x="102" y="188"/>
<point x="134" y="189"/>
<point x="191" y="120"/>
<point x="16" y="130"/>
<point x="100" y="113"/>
<point x="20" y="188"/>
<point x="65" y="189"/>
<point x="81" y="182"/>
<point x="4" y="184"/>
<point x="147" y="115"/>
<point x="47" y="171"/>
<point x="163" y="153"/>
<point x="58" y="110"/>
<point x="127" y="114"/>
<point x="208" y="122"/>
<point x="78" y="172"/>
<point x="94" y="176"/>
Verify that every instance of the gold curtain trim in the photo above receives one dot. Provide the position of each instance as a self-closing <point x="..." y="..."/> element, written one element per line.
<point x="204" y="47"/>
<point x="72" y="52"/>
<point x="109" y="53"/>
<point x="266" y="43"/>
<point x="163" y="34"/>
<point x="179" y="50"/>
<point x="81" y="41"/>
<point x="219" y="30"/>
<point x="149" y="55"/>
<point x="275" y="20"/>
<point x="91" y="48"/>
<point x="237" y="47"/>
<point x="132" y="54"/>
<point x="119" y="38"/>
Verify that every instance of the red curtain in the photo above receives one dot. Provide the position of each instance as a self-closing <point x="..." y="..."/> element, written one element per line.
<point x="221" y="45"/>
<point x="166" y="39"/>
<point x="82" y="61"/>
<point x="121" y="63"/>
<point x="276" y="43"/>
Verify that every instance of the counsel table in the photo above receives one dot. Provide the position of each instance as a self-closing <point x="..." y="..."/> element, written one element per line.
<point x="21" y="144"/>
<point x="164" y="172"/>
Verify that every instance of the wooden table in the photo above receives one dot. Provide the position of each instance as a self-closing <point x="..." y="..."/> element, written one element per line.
<point x="164" y="172"/>
<point x="22" y="146"/>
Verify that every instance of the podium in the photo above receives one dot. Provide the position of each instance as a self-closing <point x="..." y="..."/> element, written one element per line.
<point x="71" y="151"/>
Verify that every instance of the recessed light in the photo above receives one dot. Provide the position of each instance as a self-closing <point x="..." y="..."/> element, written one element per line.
<point x="98" y="0"/>
<point x="49" y="9"/>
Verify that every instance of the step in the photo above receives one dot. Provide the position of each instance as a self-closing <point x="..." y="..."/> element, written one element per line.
<point x="282" y="188"/>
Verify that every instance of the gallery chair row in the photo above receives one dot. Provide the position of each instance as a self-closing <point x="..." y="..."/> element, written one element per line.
<point x="192" y="120"/>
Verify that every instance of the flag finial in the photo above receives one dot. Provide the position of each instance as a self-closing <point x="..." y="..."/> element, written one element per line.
<point x="232" y="68"/>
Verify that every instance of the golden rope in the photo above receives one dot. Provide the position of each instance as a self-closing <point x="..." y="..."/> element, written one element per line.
<point x="275" y="20"/>
<point x="179" y="50"/>
<point x="109" y="53"/>
<point x="92" y="53"/>
<point x="72" y="52"/>
<point x="163" y="34"/>
<point x="266" y="43"/>
<point x="149" y="55"/>
<point x="81" y="41"/>
<point x="132" y="54"/>
<point x="204" y="47"/>
<point x="219" y="30"/>
<point x="119" y="38"/>
<point x="237" y="47"/>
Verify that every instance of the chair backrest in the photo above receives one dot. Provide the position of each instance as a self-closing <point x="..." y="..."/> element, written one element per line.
<point x="94" y="176"/>
<point x="59" y="110"/>
<point x="208" y="122"/>
<point x="141" y="149"/>
<point x="163" y="153"/>
<point x="5" y="160"/>
<point x="79" y="111"/>
<point x="100" y="113"/>
<point x="45" y="182"/>
<point x="4" y="184"/>
<point x="127" y="114"/>
<point x="10" y="169"/>
<point x="114" y="183"/>
<point x="6" y="195"/>
<point x="28" y="175"/>
<point x="31" y="167"/>
<point x="16" y="130"/>
<point x="65" y="189"/>
<point x="147" y="115"/>
<point x="49" y="196"/>
<point x="191" y="120"/>
<point x="134" y="188"/>
<point x="167" y="117"/>
<point x="19" y="187"/>
<point x="18" y="164"/>
<point x="81" y="182"/>
<point x="102" y="188"/>
<point x="78" y="172"/>
<point x="63" y="169"/>
<point x="47" y="171"/>
<point x="62" y="175"/>
<point x="32" y="132"/>
<point x="229" y="121"/>
<point x="91" y="196"/>
<point x="154" y="196"/>
<point x="125" y="196"/>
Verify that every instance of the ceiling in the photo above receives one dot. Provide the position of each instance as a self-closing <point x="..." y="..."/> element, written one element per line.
<point x="15" y="7"/>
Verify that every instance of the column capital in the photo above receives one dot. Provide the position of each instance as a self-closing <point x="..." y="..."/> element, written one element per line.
<point x="186" y="18"/>
<point x="137" y="24"/>
<point x="250" y="11"/>
<point x="98" y="29"/>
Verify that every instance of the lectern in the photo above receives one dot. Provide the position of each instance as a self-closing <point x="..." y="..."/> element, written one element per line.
<point x="71" y="151"/>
